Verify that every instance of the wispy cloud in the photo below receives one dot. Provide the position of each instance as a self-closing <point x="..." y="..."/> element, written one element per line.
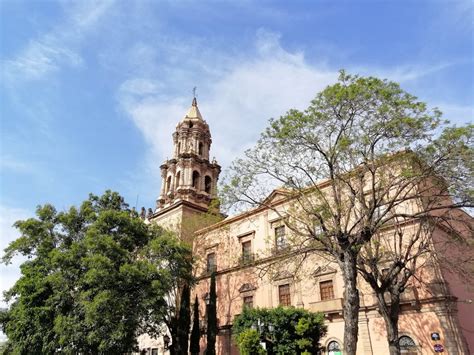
<point x="39" y="58"/>
<point x="404" y="73"/>
<point x="239" y="95"/>
<point x="237" y="104"/>
<point x="9" y="163"/>
<point x="58" y="48"/>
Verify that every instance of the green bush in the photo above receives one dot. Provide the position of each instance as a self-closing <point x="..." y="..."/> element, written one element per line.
<point x="295" y="330"/>
<point x="249" y="343"/>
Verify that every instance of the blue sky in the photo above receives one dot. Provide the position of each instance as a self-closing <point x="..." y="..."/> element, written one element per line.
<point x="91" y="90"/>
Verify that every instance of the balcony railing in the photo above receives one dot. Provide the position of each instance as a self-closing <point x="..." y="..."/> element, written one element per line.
<point x="211" y="268"/>
<point x="280" y="249"/>
<point x="327" y="306"/>
<point x="247" y="259"/>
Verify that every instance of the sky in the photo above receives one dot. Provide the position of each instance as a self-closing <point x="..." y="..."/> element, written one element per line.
<point x="91" y="91"/>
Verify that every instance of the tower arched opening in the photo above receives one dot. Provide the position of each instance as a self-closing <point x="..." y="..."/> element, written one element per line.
<point x="168" y="184"/>
<point x="178" y="178"/>
<point x="195" y="179"/>
<point x="207" y="184"/>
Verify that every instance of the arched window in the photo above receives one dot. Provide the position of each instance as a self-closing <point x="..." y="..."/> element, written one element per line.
<point x="195" y="179"/>
<point x="407" y="345"/>
<point x="168" y="184"/>
<point x="179" y="147"/>
<point x="178" y="177"/>
<point x="207" y="184"/>
<point x="200" y="149"/>
<point x="334" y="348"/>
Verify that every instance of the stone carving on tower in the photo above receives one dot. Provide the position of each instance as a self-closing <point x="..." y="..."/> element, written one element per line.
<point x="190" y="175"/>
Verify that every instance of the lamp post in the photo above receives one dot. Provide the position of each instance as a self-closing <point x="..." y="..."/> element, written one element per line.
<point x="265" y="331"/>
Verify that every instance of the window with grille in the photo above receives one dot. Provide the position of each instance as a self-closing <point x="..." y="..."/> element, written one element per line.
<point x="280" y="237"/>
<point x="247" y="251"/>
<point x="407" y="345"/>
<point x="248" y="302"/>
<point x="284" y="295"/>
<point x="327" y="290"/>
<point x="211" y="262"/>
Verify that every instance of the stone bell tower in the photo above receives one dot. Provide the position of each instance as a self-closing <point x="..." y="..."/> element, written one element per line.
<point x="189" y="179"/>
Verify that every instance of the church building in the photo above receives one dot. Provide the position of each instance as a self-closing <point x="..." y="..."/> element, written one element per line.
<point x="436" y="313"/>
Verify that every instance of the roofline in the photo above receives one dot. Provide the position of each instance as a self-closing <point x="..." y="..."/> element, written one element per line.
<point x="258" y="209"/>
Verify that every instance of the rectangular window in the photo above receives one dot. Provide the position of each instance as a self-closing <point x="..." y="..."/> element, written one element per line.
<point x="284" y="295"/>
<point x="327" y="290"/>
<point x="211" y="262"/>
<point x="247" y="252"/>
<point x="280" y="237"/>
<point x="154" y="351"/>
<point x="248" y="302"/>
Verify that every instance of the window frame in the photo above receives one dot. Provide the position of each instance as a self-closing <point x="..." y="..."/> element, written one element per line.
<point x="330" y="293"/>
<point x="246" y="304"/>
<point x="211" y="268"/>
<point x="284" y="299"/>
<point x="281" y="241"/>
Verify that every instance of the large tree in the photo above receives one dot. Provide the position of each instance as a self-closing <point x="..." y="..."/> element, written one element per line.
<point x="364" y="156"/>
<point x="96" y="277"/>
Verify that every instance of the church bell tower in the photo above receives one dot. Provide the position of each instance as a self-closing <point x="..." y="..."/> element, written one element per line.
<point x="190" y="177"/>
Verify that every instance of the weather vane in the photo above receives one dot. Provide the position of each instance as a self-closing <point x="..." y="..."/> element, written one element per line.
<point x="194" y="91"/>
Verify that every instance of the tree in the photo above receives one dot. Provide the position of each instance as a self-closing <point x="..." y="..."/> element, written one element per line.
<point x="364" y="156"/>
<point x="249" y="343"/>
<point x="212" y="317"/>
<point x="196" y="331"/>
<point x="285" y="330"/>
<point x="96" y="277"/>
<point x="184" y="321"/>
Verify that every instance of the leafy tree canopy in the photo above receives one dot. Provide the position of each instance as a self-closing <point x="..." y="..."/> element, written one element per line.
<point x="365" y="155"/>
<point x="286" y="330"/>
<point x="96" y="277"/>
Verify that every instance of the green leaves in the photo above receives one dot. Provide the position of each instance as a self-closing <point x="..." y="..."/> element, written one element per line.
<point x="249" y="343"/>
<point x="292" y="331"/>
<point x="97" y="274"/>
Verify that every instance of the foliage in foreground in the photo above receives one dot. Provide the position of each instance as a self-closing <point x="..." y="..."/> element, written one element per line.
<point x="295" y="330"/>
<point x="96" y="277"/>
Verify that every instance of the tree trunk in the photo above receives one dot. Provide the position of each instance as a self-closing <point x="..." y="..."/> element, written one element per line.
<point x="390" y="313"/>
<point x="351" y="301"/>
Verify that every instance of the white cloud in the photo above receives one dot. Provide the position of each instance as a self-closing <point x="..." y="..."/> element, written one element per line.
<point x="240" y="92"/>
<point x="237" y="104"/>
<point x="9" y="273"/>
<point x="404" y="73"/>
<point x="53" y="50"/>
<point x="39" y="58"/>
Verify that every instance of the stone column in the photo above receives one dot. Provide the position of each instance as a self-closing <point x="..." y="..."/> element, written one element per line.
<point x="364" y="334"/>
